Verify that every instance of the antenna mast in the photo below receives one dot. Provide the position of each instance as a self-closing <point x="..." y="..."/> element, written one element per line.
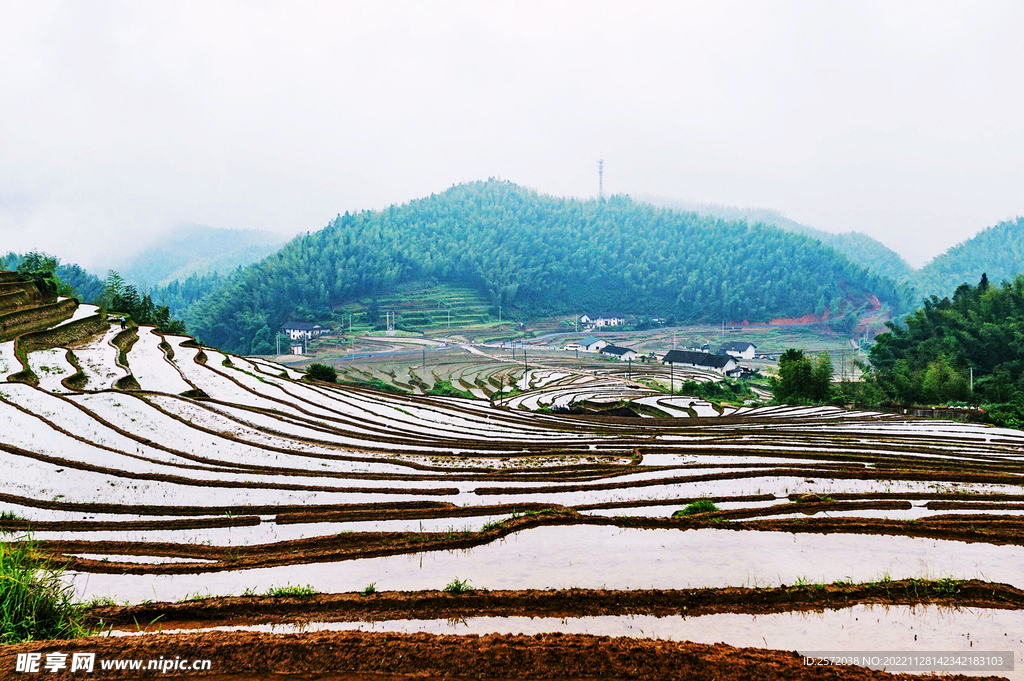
<point x="600" y="178"/>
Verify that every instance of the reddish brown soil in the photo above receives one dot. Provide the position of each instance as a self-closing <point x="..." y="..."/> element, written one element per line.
<point x="562" y="603"/>
<point x="991" y="529"/>
<point x="544" y="656"/>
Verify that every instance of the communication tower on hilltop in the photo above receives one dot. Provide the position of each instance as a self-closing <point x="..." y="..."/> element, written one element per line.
<point x="600" y="178"/>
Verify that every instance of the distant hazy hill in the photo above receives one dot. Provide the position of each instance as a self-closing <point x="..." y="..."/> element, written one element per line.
<point x="195" y="249"/>
<point x="858" y="247"/>
<point x="535" y="255"/>
<point x="997" y="251"/>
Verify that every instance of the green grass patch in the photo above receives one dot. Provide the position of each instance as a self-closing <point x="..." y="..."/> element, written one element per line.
<point x="697" y="507"/>
<point x="446" y="389"/>
<point x="376" y="384"/>
<point x="35" y="602"/>
<point x="458" y="586"/>
<point x="293" y="591"/>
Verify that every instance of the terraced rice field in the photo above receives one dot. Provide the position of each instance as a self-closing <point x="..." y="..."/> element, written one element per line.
<point x="196" y="499"/>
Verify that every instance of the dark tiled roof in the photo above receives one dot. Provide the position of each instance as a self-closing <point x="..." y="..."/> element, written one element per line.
<point x="616" y="350"/>
<point x="300" y="326"/>
<point x="700" y="359"/>
<point x="736" y="346"/>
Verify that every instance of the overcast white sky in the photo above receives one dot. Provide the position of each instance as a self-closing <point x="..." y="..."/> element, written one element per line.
<point x="904" y="120"/>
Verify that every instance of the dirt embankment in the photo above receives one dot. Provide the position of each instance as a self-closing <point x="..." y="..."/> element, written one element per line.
<point x="390" y="605"/>
<point x="348" y="655"/>
<point x="992" y="529"/>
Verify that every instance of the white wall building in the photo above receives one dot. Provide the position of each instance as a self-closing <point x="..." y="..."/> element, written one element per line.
<point x="740" y="350"/>
<point x="303" y="330"/>
<point x="588" y="344"/>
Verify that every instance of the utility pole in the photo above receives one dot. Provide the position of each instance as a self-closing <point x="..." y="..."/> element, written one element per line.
<point x="629" y="370"/>
<point x="424" y="357"/>
<point x="672" y="378"/>
<point x="277" y="337"/>
<point x="499" y="314"/>
<point x="972" y="379"/>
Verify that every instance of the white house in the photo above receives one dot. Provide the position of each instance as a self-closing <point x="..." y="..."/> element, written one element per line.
<point x="620" y="353"/>
<point x="588" y="344"/>
<point x="601" y="322"/>
<point x="721" y="364"/>
<point x="298" y="347"/>
<point x="303" y="330"/>
<point x="738" y="349"/>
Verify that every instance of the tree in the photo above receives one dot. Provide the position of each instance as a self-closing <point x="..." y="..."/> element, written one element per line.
<point x="262" y="342"/>
<point x="929" y="358"/>
<point x="802" y="380"/>
<point x="322" y="372"/>
<point x="372" y="314"/>
<point x="942" y="383"/>
<point x="42" y="268"/>
<point x="126" y="299"/>
<point x="821" y="379"/>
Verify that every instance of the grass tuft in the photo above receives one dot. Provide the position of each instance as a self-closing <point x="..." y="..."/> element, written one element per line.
<point x="293" y="591"/>
<point x="458" y="586"/>
<point x="699" y="506"/>
<point x="35" y="602"/>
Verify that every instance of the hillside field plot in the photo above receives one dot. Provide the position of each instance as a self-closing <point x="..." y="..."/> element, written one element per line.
<point x="234" y="503"/>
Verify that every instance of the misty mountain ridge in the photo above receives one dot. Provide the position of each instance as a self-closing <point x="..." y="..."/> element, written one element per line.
<point x="857" y="246"/>
<point x="192" y="249"/>
<point x="997" y="251"/>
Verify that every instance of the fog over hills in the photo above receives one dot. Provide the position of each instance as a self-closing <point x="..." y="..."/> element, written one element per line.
<point x="857" y="246"/>
<point x="192" y="249"/>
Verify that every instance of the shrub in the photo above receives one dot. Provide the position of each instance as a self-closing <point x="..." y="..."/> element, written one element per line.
<point x="458" y="586"/>
<point x="369" y="589"/>
<point x="446" y="389"/>
<point x="35" y="603"/>
<point x="322" y="372"/>
<point x="699" y="506"/>
<point x="377" y="384"/>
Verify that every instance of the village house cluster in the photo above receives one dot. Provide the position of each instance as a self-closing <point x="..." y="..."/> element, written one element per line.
<point x="725" y="361"/>
<point x="300" y="333"/>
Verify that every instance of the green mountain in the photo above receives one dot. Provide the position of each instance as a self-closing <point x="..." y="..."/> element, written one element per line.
<point x="997" y="251"/>
<point x="536" y="255"/>
<point x="858" y="247"/>
<point x="190" y="250"/>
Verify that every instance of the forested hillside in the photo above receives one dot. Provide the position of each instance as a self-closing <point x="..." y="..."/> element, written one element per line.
<point x="197" y="250"/>
<point x="533" y="255"/>
<point x="858" y="247"/>
<point x="87" y="286"/>
<point x="931" y="357"/>
<point x="997" y="251"/>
